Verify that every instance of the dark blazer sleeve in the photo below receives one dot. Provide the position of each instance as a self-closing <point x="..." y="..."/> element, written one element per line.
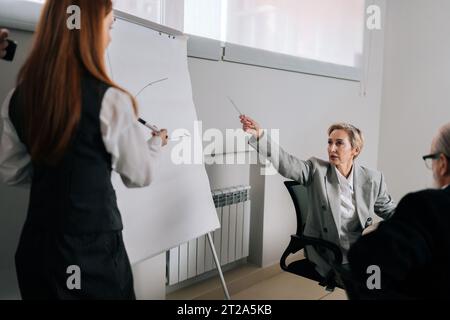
<point x="398" y="245"/>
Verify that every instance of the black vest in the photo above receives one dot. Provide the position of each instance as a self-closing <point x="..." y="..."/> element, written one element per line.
<point x="76" y="195"/>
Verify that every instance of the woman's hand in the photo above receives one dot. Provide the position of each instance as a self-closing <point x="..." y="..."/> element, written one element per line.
<point x="251" y="126"/>
<point x="3" y="43"/>
<point x="370" y="229"/>
<point x="163" y="135"/>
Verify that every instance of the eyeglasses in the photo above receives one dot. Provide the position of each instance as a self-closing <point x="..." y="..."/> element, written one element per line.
<point x="429" y="159"/>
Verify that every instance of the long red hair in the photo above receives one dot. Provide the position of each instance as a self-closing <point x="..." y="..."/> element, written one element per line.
<point x="50" y="79"/>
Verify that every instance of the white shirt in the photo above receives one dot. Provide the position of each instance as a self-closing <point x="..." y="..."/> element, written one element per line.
<point x="349" y="227"/>
<point x="132" y="157"/>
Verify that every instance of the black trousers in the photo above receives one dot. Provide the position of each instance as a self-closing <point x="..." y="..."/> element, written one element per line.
<point x="55" y="266"/>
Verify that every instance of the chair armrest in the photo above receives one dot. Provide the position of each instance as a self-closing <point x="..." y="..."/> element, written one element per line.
<point x="299" y="242"/>
<point x="316" y="242"/>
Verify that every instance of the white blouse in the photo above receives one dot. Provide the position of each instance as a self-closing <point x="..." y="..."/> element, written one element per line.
<point x="132" y="157"/>
<point x="349" y="226"/>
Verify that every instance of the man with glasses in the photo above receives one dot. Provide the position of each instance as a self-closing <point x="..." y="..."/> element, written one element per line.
<point x="441" y="158"/>
<point x="412" y="249"/>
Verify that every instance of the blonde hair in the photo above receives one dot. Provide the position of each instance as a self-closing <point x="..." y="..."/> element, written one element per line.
<point x="355" y="135"/>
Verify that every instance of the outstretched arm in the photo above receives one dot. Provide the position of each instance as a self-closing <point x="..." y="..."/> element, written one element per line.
<point x="286" y="164"/>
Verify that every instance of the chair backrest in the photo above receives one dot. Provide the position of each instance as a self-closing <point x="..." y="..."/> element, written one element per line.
<point x="299" y="197"/>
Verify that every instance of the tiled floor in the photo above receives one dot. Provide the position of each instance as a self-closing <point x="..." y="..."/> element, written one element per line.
<point x="252" y="283"/>
<point x="286" y="286"/>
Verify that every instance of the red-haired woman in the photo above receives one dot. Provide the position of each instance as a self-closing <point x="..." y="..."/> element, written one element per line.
<point x="64" y="128"/>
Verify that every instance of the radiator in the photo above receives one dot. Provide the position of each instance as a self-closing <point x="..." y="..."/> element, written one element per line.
<point x="231" y="241"/>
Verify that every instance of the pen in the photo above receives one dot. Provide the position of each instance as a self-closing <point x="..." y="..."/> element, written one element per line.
<point x="156" y="130"/>
<point x="148" y="125"/>
<point x="235" y="106"/>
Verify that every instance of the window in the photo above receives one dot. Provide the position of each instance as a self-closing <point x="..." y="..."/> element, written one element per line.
<point x="324" y="30"/>
<point x="324" y="37"/>
<point x="165" y="12"/>
<point x="147" y="9"/>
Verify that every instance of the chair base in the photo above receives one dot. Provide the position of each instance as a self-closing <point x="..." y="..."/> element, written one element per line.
<point x="305" y="269"/>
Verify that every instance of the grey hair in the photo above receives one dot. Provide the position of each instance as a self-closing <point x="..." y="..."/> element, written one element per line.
<point x="355" y="134"/>
<point x="442" y="142"/>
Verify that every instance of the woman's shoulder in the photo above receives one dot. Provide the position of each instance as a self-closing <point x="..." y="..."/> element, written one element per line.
<point x="370" y="173"/>
<point x="117" y="95"/>
<point x="117" y="99"/>
<point x="319" y="163"/>
<point x="117" y="108"/>
<point x="88" y="80"/>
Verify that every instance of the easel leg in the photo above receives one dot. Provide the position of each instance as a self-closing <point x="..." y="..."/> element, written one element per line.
<point x="216" y="259"/>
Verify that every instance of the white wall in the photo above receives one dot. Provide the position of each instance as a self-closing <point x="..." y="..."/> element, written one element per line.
<point x="416" y="94"/>
<point x="302" y="106"/>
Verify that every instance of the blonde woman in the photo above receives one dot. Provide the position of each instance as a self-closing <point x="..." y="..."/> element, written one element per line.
<point x="343" y="196"/>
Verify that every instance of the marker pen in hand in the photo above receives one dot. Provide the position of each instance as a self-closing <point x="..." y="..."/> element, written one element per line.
<point x="151" y="127"/>
<point x="148" y="125"/>
<point x="10" y="50"/>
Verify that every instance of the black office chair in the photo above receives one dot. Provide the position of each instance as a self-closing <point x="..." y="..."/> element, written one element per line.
<point x="304" y="267"/>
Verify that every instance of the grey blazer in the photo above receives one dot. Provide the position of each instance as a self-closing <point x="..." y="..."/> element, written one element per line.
<point x="322" y="184"/>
